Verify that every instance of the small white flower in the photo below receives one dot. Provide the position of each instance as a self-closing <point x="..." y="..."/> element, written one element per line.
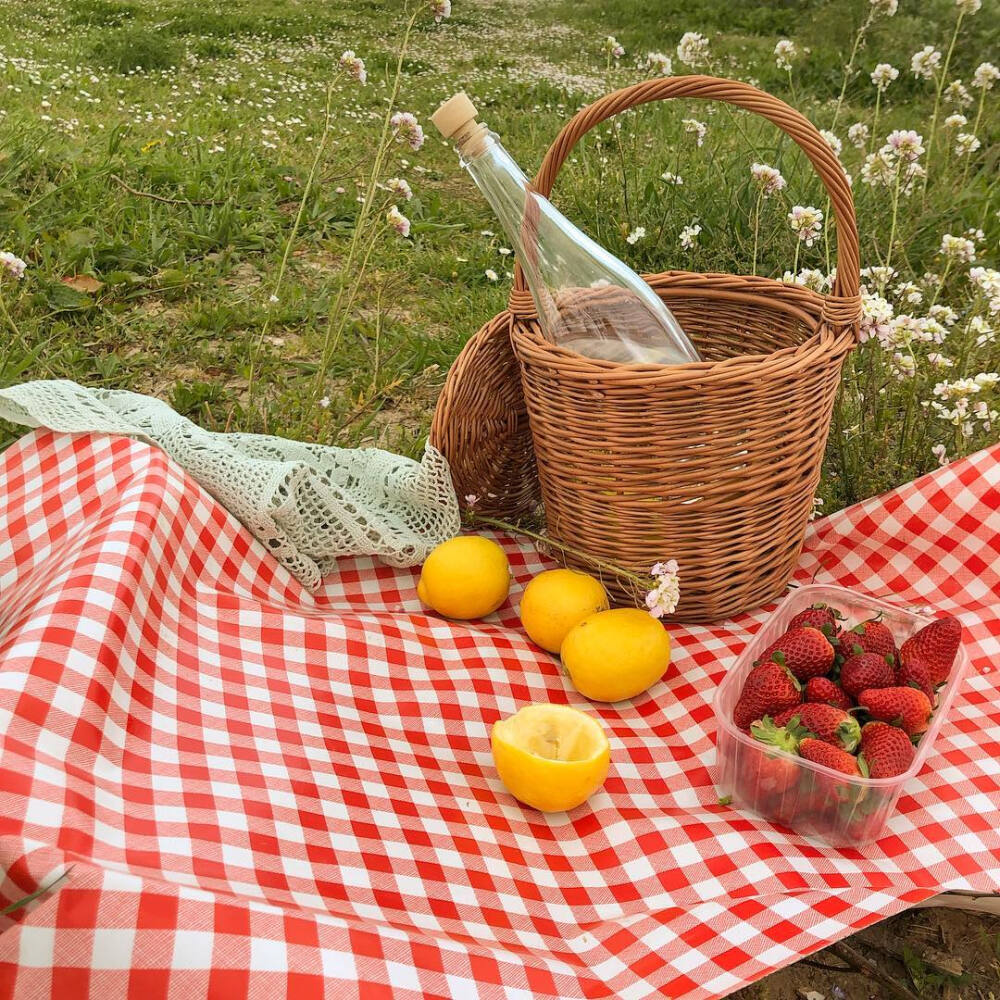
<point x="637" y="234"/>
<point x="879" y="169"/>
<point x="399" y="187"/>
<point x="12" y="264"/>
<point x="832" y="141"/>
<point x="955" y="121"/>
<point x="985" y="76"/>
<point x="696" y="128"/>
<point x="858" y="135"/>
<point x="940" y="452"/>
<point x="672" y="178"/>
<point x="905" y="143"/>
<point x="354" y="66"/>
<point x="441" y="9"/>
<point x="663" y="598"/>
<point x="689" y="236"/>
<point x="816" y="508"/>
<point x="784" y="53"/>
<point x="925" y="63"/>
<point x="968" y="6"/>
<point x="491" y="275"/>
<point x="958" y="248"/>
<point x="955" y="93"/>
<point x="504" y="251"/>
<point x="398" y="221"/>
<point x="879" y="276"/>
<point x="768" y="179"/>
<point x="807" y="222"/>
<point x="884" y="74"/>
<point x="886" y="7"/>
<point x="272" y="298"/>
<point x="966" y="144"/>
<point x="660" y="62"/>
<point x="325" y="402"/>
<point x="692" y="49"/>
<point x="876" y="318"/>
<point x="808" y="277"/>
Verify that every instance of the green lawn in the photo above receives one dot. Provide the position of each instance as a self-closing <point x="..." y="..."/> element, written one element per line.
<point x="163" y="148"/>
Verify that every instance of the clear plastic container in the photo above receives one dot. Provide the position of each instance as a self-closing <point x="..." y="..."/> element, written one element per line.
<point x="784" y="788"/>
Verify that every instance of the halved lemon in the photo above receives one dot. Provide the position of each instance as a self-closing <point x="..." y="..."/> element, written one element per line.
<point x="551" y="757"/>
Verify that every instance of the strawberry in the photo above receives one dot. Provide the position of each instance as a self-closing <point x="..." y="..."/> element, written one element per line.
<point x="937" y="645"/>
<point x="829" y="756"/>
<point x="805" y="651"/>
<point x="872" y="636"/>
<point x="915" y="673"/>
<point x="886" y="749"/>
<point x="823" y="691"/>
<point x="864" y="671"/>
<point x="776" y="773"/>
<point x="905" y="707"/>
<point x="820" y="616"/>
<point x="824" y="722"/>
<point x="768" y="689"/>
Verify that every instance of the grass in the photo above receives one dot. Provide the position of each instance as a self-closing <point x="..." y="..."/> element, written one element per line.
<point x="163" y="149"/>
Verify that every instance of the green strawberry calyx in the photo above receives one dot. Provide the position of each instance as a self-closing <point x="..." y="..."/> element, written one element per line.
<point x="785" y="737"/>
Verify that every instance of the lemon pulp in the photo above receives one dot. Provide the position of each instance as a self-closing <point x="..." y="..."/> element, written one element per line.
<point x="551" y="757"/>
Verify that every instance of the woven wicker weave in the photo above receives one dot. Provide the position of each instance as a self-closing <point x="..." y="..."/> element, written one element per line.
<point x="714" y="464"/>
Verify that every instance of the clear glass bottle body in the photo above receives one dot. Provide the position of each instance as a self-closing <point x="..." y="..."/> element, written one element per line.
<point x="588" y="301"/>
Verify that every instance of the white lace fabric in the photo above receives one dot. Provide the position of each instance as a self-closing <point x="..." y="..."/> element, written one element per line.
<point x="309" y="504"/>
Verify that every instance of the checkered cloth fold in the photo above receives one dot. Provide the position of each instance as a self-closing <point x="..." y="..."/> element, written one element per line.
<point x="258" y="791"/>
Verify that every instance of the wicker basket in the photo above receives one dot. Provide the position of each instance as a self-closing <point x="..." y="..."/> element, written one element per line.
<point x="714" y="464"/>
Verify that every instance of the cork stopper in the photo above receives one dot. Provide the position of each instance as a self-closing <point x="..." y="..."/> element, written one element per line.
<point x="456" y="120"/>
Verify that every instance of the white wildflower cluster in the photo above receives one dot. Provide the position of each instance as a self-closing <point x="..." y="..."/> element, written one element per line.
<point x="985" y="75"/>
<point x="966" y="144"/>
<point x="966" y="402"/>
<point x="692" y="49"/>
<point x="926" y="62"/>
<point x="886" y="7"/>
<point x="876" y="317"/>
<point x="809" y="277"/>
<point x="968" y="6"/>
<point x="896" y="162"/>
<point x="696" y="128"/>
<point x="955" y="93"/>
<point x="768" y="179"/>
<point x="689" y="236"/>
<point x="877" y="277"/>
<point x="908" y="293"/>
<point x="612" y="47"/>
<point x="884" y="74"/>
<point x="660" y="63"/>
<point x="406" y="128"/>
<point x="670" y="178"/>
<point x="806" y="222"/>
<point x="986" y="280"/>
<point x="958" y="248"/>
<point x="955" y="121"/>
<point x="354" y="67"/>
<point x="665" y="594"/>
<point x="12" y="264"/>
<point x="785" y="52"/>
<point x="858" y="135"/>
<point x="637" y="234"/>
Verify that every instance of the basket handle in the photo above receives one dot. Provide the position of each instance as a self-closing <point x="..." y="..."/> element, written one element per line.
<point x="842" y="305"/>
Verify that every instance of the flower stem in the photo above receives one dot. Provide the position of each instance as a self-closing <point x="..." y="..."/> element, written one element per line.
<point x="756" y="229"/>
<point x="849" y="68"/>
<point x="937" y="96"/>
<point x="516" y="529"/>
<point x="895" y="213"/>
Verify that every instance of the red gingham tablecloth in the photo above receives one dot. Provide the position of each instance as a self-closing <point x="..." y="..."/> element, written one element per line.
<point x="268" y="793"/>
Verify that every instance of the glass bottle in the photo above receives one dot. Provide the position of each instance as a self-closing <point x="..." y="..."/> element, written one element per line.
<point x="587" y="300"/>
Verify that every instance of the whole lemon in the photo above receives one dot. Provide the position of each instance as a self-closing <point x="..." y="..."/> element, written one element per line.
<point x="551" y="757"/>
<point x="555" y="601"/>
<point x="616" y="654"/>
<point x="465" y="577"/>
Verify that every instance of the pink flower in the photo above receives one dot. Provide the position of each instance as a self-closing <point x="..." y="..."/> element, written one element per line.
<point x="406" y="128"/>
<point x="13" y="264"/>
<point x="398" y="221"/>
<point x="905" y="143"/>
<point x="399" y="187"/>
<point x="354" y="66"/>
<point x="807" y="222"/>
